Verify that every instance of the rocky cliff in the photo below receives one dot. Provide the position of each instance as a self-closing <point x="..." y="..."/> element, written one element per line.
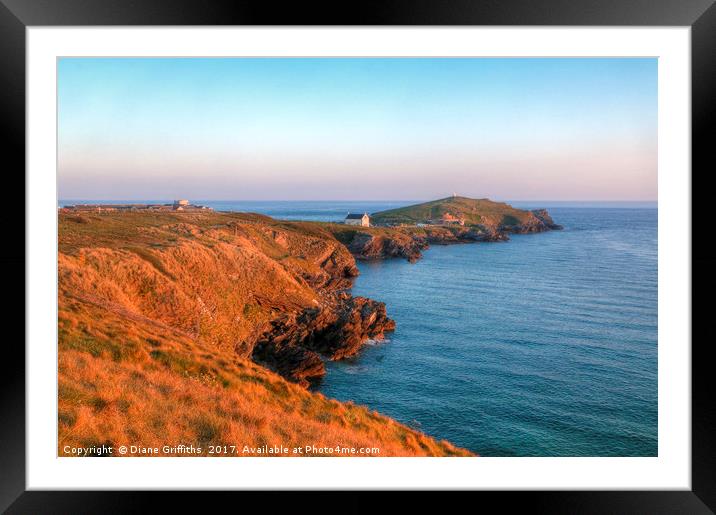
<point x="275" y="292"/>
<point x="336" y="329"/>
<point x="370" y="243"/>
<point x="543" y="216"/>
<point x="170" y="325"/>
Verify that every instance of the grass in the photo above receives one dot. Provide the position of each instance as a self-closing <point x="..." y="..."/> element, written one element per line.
<point x="151" y="258"/>
<point x="472" y="211"/>
<point x="165" y="399"/>
<point x="156" y="315"/>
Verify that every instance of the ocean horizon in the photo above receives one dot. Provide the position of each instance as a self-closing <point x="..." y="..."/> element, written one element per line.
<point x="335" y="210"/>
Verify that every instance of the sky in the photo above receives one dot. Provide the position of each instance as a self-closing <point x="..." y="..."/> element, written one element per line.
<point x="357" y="128"/>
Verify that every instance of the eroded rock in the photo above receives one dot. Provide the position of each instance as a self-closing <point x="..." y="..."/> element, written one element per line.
<point x="335" y="330"/>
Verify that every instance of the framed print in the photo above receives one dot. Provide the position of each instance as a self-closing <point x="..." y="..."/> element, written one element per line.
<point x="428" y="248"/>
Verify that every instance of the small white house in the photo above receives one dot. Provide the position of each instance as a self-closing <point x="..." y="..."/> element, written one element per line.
<point x="362" y="220"/>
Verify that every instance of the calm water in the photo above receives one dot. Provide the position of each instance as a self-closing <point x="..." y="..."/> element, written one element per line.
<point x="542" y="346"/>
<point x="545" y="345"/>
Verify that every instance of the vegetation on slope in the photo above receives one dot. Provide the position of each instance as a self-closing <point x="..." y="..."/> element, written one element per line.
<point x="472" y="211"/>
<point x="157" y="316"/>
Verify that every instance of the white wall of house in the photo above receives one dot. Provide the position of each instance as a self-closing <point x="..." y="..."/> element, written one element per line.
<point x="363" y="222"/>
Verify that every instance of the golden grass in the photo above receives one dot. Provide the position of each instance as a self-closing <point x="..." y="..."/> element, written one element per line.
<point x="152" y="312"/>
<point x="133" y="383"/>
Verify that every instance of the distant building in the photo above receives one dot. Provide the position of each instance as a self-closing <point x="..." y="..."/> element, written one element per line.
<point x="448" y="218"/>
<point x="177" y="205"/>
<point x="362" y="220"/>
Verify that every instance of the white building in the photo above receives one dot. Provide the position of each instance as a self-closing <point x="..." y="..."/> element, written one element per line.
<point x="362" y="220"/>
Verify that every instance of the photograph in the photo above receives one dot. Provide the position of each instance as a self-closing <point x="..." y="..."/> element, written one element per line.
<point x="357" y="257"/>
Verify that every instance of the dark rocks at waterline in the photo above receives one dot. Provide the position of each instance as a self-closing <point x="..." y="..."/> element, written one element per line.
<point x="544" y="217"/>
<point x="296" y="343"/>
<point x="367" y="246"/>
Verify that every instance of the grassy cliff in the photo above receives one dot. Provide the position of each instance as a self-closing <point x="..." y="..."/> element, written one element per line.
<point x="471" y="211"/>
<point x="159" y="316"/>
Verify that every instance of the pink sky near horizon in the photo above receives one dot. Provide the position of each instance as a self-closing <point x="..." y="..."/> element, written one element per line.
<point x="575" y="175"/>
<point x="350" y="129"/>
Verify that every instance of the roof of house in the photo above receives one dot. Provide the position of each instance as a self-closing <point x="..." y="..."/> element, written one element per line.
<point x="355" y="217"/>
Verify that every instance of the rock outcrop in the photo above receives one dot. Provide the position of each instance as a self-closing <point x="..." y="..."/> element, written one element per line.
<point x="275" y="292"/>
<point x="409" y="242"/>
<point x="369" y="245"/>
<point x="295" y="342"/>
<point x="546" y="219"/>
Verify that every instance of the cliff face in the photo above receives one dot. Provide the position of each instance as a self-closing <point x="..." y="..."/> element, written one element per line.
<point x="372" y="244"/>
<point x="337" y="329"/>
<point x="543" y="216"/>
<point x="409" y="242"/>
<point x="261" y="288"/>
<point x="162" y="316"/>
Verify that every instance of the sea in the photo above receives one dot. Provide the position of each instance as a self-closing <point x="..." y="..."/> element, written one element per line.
<point x="544" y="345"/>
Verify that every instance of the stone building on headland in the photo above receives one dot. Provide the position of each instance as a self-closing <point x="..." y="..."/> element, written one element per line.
<point x="449" y="219"/>
<point x="362" y="220"/>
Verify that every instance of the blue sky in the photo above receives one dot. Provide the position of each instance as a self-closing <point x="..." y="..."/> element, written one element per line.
<point x="343" y="128"/>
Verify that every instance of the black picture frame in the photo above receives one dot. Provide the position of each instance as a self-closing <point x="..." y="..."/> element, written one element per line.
<point x="17" y="15"/>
